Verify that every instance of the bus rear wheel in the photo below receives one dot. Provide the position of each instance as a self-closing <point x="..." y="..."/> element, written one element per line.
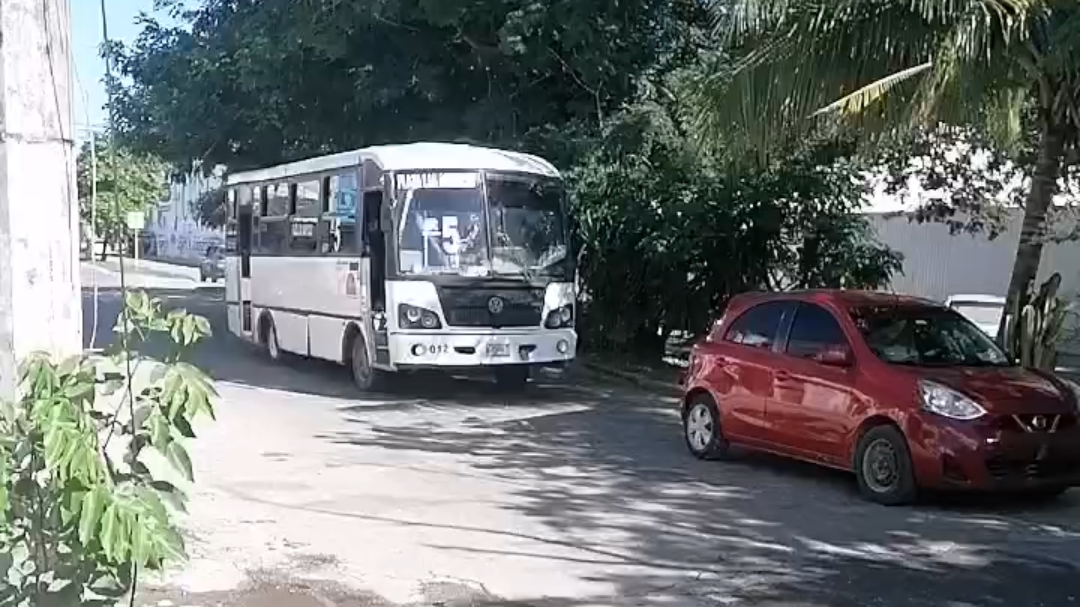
<point x="365" y="376"/>
<point x="513" y="377"/>
<point x="270" y="340"/>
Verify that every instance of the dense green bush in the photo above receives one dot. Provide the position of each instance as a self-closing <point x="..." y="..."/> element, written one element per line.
<point x="666" y="233"/>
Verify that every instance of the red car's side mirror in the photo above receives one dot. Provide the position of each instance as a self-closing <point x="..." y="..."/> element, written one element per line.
<point x="835" y="356"/>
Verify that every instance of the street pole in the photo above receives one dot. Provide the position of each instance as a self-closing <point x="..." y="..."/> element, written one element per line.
<point x="40" y="300"/>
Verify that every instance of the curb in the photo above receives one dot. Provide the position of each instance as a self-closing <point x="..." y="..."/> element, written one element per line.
<point x="652" y="385"/>
<point x="150" y="267"/>
<point x="173" y="261"/>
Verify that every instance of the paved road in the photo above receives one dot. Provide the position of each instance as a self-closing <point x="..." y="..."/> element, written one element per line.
<point x="448" y="493"/>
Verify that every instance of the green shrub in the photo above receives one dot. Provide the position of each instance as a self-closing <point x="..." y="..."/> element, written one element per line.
<point x="82" y="513"/>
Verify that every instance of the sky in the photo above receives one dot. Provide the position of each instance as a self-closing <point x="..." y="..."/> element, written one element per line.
<point x="86" y="40"/>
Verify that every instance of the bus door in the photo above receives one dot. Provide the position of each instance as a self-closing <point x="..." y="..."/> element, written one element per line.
<point x="374" y="249"/>
<point x="244" y="227"/>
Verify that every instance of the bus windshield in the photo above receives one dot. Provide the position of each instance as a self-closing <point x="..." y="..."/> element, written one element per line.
<point x="527" y="218"/>
<point x="443" y="228"/>
<point x="447" y="227"/>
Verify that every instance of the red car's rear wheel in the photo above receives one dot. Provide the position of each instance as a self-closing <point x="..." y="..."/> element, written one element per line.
<point x="701" y="428"/>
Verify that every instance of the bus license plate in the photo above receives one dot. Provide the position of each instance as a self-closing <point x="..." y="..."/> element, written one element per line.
<point x="498" y="349"/>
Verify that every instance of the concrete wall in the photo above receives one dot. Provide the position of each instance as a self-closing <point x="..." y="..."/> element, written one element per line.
<point x="174" y="225"/>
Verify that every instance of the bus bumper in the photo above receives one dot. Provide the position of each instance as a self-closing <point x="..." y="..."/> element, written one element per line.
<point x="425" y="349"/>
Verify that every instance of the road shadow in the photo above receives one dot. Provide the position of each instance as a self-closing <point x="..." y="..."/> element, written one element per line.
<point x="617" y="492"/>
<point x="227" y="358"/>
<point x="618" y="495"/>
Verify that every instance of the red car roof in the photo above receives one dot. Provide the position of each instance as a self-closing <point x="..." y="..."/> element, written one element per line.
<point x="843" y="297"/>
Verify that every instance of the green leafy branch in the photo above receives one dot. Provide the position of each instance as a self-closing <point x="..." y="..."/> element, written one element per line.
<point x="81" y="511"/>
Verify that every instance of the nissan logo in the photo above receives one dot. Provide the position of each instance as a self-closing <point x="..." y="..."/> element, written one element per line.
<point x="1039" y="422"/>
<point x="495" y="305"/>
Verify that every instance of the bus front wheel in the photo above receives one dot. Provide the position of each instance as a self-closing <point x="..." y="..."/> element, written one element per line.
<point x="365" y="376"/>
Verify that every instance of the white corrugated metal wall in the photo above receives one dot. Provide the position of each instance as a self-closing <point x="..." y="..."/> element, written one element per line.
<point x="938" y="264"/>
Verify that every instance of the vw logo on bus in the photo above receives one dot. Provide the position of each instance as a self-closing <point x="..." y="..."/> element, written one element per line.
<point x="495" y="305"/>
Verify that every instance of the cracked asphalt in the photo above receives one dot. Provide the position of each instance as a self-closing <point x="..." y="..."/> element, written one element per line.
<point x="576" y="494"/>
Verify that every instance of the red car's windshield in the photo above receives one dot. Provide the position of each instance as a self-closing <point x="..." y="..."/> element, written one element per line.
<point x="926" y="336"/>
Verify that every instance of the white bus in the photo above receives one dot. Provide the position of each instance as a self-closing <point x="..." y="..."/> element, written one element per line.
<point x="404" y="257"/>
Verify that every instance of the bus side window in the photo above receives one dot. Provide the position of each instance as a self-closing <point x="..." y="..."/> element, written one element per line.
<point x="274" y="228"/>
<point x="304" y="218"/>
<point x="345" y="203"/>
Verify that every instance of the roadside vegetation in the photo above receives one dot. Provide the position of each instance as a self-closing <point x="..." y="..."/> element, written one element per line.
<point x="113" y="181"/>
<point x="93" y="462"/>
<point x="692" y="180"/>
<point x="710" y="152"/>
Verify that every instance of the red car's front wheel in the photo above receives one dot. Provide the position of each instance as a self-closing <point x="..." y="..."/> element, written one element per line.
<point x="883" y="467"/>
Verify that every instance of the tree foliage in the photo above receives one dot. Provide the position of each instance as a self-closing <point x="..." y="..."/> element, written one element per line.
<point x="598" y="87"/>
<point x="126" y="180"/>
<point x="667" y="235"/>
<point x="210" y="208"/>
<point x="81" y="512"/>
<point x="962" y="178"/>
<point x="251" y="83"/>
<point x="1002" y="67"/>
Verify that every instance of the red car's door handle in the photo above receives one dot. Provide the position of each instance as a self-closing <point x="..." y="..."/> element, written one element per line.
<point x="783" y="375"/>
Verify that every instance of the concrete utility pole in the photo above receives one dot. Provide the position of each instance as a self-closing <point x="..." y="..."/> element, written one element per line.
<point x="40" y="297"/>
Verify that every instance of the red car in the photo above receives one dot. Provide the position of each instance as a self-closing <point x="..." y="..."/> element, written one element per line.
<point x="904" y="392"/>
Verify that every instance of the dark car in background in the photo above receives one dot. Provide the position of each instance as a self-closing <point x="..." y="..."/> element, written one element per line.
<point x="903" y="392"/>
<point x="212" y="265"/>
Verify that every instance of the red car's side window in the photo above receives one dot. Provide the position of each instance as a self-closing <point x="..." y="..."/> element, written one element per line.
<point x="813" y="331"/>
<point x="758" y="326"/>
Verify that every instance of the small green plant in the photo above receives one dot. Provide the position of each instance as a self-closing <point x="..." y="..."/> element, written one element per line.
<point x="81" y="512"/>
<point x="1034" y="326"/>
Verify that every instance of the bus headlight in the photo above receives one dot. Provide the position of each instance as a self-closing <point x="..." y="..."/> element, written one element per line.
<point x="415" y="317"/>
<point x="560" y="317"/>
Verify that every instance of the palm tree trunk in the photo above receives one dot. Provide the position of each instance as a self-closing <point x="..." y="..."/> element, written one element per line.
<point x="1044" y="185"/>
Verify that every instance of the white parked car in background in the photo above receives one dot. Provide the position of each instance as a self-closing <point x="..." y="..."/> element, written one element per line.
<point x="983" y="310"/>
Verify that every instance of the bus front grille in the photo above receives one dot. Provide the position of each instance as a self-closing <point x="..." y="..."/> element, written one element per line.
<point x="492" y="307"/>
<point x="516" y="316"/>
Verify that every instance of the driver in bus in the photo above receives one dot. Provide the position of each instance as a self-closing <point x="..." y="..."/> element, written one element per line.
<point x="470" y="241"/>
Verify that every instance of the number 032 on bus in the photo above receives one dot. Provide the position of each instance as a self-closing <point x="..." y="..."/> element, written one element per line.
<point x="404" y="257"/>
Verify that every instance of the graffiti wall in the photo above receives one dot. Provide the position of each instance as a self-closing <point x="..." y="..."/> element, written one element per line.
<point x="173" y="229"/>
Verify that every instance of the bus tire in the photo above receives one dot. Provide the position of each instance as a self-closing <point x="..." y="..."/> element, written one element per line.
<point x="364" y="375"/>
<point x="512" y="377"/>
<point x="268" y="338"/>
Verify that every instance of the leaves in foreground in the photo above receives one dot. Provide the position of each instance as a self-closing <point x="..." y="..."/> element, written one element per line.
<point x="82" y="511"/>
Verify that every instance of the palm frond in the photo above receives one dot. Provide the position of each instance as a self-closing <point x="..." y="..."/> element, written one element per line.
<point x="880" y="65"/>
<point x="810" y="59"/>
<point x="864" y="97"/>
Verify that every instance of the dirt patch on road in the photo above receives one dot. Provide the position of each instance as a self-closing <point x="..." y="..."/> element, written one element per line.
<point x="264" y="595"/>
<point x="436" y="593"/>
